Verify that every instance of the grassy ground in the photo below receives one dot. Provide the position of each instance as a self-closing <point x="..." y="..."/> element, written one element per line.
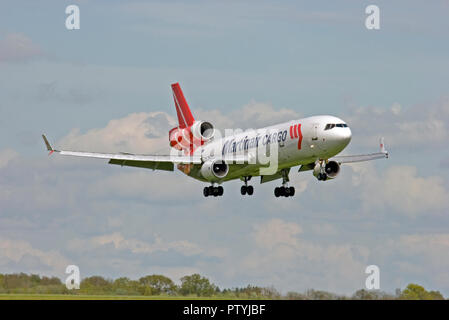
<point x="95" y="297"/>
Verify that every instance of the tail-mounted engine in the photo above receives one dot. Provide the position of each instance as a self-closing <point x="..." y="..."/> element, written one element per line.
<point x="328" y="171"/>
<point x="191" y="137"/>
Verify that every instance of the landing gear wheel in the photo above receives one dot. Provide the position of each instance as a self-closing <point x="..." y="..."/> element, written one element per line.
<point x="284" y="191"/>
<point x="213" y="191"/>
<point x="277" y="192"/>
<point x="246" y="189"/>
<point x="322" y="176"/>
<point x="281" y="191"/>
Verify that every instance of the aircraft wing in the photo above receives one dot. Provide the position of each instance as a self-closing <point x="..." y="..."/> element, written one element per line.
<point x="155" y="162"/>
<point x="363" y="157"/>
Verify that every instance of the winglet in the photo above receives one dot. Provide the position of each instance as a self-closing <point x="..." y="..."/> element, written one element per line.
<point x="382" y="147"/>
<point x="47" y="144"/>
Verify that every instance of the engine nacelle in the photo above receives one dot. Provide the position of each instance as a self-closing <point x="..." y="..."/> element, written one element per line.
<point x="331" y="169"/>
<point x="214" y="170"/>
<point x="202" y="130"/>
<point x="194" y="136"/>
<point x="179" y="138"/>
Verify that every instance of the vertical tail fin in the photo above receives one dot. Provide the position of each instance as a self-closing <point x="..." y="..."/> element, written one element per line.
<point x="185" y="117"/>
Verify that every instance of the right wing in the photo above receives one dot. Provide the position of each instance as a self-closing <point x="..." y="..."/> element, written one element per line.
<point x="155" y="162"/>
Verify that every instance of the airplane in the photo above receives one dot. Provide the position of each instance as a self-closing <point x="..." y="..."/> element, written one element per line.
<point x="313" y="143"/>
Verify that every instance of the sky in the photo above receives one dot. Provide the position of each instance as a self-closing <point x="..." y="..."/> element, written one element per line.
<point x="245" y="64"/>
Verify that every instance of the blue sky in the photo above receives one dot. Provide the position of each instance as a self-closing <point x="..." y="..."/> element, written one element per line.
<point x="106" y="87"/>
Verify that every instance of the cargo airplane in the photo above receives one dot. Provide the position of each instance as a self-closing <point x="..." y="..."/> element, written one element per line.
<point x="313" y="143"/>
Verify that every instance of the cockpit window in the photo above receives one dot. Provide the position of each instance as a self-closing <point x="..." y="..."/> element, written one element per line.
<point x="333" y="125"/>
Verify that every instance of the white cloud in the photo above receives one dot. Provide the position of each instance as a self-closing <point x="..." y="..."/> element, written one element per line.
<point x="18" y="252"/>
<point x="422" y="257"/>
<point x="419" y="127"/>
<point x="276" y="233"/>
<point x="148" y="185"/>
<point x="18" y="47"/>
<point x="252" y="115"/>
<point x="137" y="132"/>
<point x="294" y="263"/>
<point x="400" y="188"/>
<point x="119" y="242"/>
<point x="6" y="156"/>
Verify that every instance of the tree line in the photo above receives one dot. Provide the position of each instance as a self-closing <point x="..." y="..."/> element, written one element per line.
<point x="191" y="285"/>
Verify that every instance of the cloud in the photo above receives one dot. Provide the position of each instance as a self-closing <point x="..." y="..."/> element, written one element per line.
<point x="421" y="126"/>
<point x="137" y="132"/>
<point x="146" y="185"/>
<point x="6" y="156"/>
<point x="119" y="242"/>
<point x="252" y="115"/>
<point x="17" y="47"/>
<point x="406" y="254"/>
<point x="282" y="257"/>
<point x="276" y="233"/>
<point x="148" y="132"/>
<point x="21" y="256"/>
<point x="401" y="189"/>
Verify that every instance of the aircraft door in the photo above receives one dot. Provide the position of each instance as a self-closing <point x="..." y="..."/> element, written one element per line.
<point x="315" y="132"/>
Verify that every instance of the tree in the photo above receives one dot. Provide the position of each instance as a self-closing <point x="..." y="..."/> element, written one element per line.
<point x="292" y="295"/>
<point x="196" y="284"/>
<point x="417" y="292"/>
<point x="320" y="295"/>
<point x="126" y="286"/>
<point x="95" y="285"/>
<point x="158" y="284"/>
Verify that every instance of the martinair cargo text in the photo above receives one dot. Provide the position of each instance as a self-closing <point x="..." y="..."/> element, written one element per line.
<point x="198" y="150"/>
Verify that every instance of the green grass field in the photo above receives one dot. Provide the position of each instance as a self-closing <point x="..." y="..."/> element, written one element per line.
<point x="99" y="297"/>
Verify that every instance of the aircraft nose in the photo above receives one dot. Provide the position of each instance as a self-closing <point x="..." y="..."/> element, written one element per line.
<point x="346" y="136"/>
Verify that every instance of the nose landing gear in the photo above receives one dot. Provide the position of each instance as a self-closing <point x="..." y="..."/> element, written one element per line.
<point x="322" y="175"/>
<point x="285" y="190"/>
<point x="246" y="189"/>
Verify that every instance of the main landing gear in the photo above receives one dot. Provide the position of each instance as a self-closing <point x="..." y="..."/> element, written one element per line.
<point x="285" y="190"/>
<point x="246" y="189"/>
<point x="213" y="191"/>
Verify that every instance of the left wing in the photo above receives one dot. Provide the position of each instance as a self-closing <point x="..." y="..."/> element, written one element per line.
<point x="363" y="157"/>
